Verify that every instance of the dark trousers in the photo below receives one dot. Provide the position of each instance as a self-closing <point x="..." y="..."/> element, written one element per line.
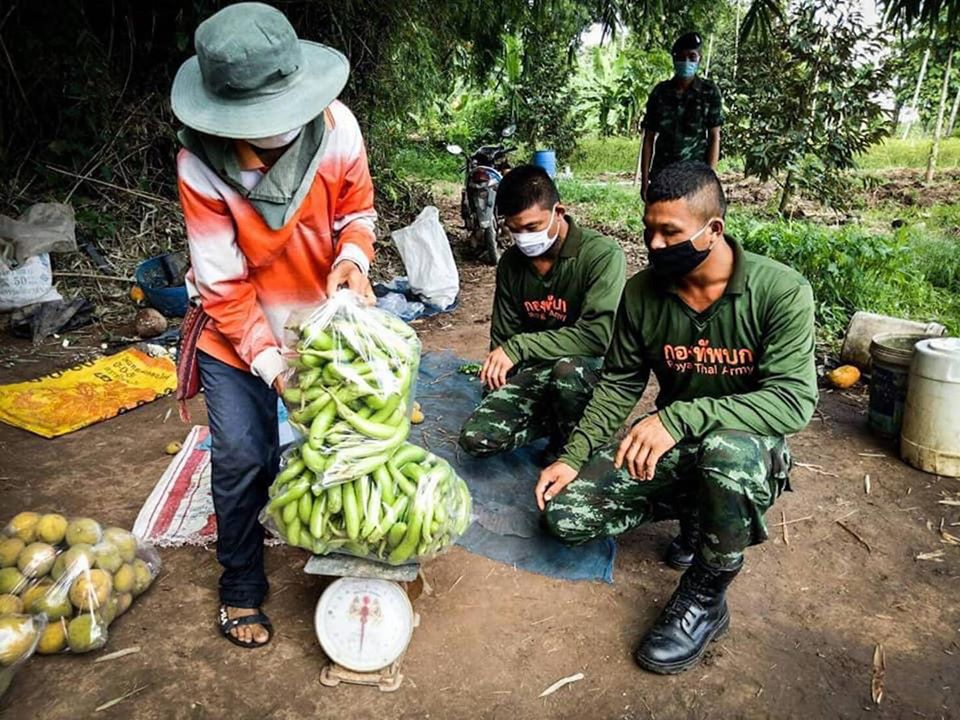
<point x="242" y="413"/>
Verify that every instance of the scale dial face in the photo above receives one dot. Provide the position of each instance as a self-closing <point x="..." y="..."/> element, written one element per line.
<point x="364" y="624"/>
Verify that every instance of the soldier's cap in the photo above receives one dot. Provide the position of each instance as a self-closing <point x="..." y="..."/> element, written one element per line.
<point x="687" y="41"/>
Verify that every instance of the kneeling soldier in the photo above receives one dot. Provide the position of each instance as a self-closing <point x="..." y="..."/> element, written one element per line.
<point x="730" y="338"/>
<point x="553" y="311"/>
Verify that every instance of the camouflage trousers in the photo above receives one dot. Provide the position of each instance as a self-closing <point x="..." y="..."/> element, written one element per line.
<point x="724" y="483"/>
<point x="538" y="400"/>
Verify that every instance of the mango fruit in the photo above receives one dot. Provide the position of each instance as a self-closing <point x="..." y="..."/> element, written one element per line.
<point x="10" y="604"/>
<point x="54" y="602"/>
<point x="83" y="531"/>
<point x="34" y="593"/>
<point x="86" y="632"/>
<point x="107" y="557"/>
<point x="54" y="638"/>
<point x="52" y="528"/>
<point x="11" y="581"/>
<point x="91" y="589"/>
<point x="125" y="579"/>
<point x="36" y="559"/>
<point x="80" y="557"/>
<point x="24" y="526"/>
<point x="17" y="634"/>
<point x="10" y="550"/>
<point x="143" y="577"/>
<point x="124" y="541"/>
<point x="124" y="601"/>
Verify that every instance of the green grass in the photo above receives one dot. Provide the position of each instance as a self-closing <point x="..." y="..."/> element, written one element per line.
<point x="428" y="164"/>
<point x="619" y="155"/>
<point x="941" y="220"/>
<point x="616" y="208"/>
<point x="911" y="153"/>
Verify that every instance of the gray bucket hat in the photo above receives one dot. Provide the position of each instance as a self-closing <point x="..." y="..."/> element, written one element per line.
<point x="252" y="77"/>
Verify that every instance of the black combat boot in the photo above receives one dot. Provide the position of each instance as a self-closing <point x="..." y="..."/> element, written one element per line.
<point x="695" y="615"/>
<point x="679" y="554"/>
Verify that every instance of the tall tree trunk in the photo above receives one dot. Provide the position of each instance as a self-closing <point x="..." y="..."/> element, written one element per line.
<point x="736" y="40"/>
<point x="786" y="193"/>
<point x="916" y="93"/>
<point x="897" y="106"/>
<point x="944" y="93"/>
<point x="953" y="114"/>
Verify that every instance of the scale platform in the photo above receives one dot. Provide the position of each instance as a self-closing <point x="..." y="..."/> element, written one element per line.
<point x="373" y="599"/>
<point x="348" y="566"/>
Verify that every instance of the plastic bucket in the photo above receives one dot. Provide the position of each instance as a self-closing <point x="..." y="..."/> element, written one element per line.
<point x="930" y="440"/>
<point x="865" y="326"/>
<point x="161" y="279"/>
<point x="891" y="354"/>
<point x="546" y="159"/>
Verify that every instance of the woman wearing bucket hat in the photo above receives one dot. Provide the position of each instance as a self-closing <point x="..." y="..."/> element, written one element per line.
<point x="278" y="205"/>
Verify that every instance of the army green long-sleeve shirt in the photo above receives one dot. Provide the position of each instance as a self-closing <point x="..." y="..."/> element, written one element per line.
<point x="745" y="363"/>
<point x="567" y="312"/>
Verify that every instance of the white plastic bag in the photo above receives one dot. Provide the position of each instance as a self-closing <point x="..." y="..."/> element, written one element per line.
<point x="30" y="283"/>
<point x="427" y="257"/>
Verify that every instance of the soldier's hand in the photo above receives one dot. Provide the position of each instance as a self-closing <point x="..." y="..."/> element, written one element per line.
<point x="643" y="447"/>
<point x="553" y="480"/>
<point x="495" y="369"/>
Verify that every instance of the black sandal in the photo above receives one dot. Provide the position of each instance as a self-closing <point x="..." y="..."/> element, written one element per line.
<point x="258" y="618"/>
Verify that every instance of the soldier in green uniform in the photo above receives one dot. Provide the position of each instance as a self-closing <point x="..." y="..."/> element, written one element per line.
<point x="553" y="311"/>
<point x="730" y="338"/>
<point x="683" y="116"/>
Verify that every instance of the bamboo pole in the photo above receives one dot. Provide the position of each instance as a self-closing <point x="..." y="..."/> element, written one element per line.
<point x="916" y="93"/>
<point x="944" y="94"/>
<point x="953" y="114"/>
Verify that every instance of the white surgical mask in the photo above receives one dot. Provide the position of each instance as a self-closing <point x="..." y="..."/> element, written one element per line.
<point x="276" y="141"/>
<point x="534" y="244"/>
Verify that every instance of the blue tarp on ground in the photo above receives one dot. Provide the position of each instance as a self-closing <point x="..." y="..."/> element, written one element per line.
<point x="507" y="527"/>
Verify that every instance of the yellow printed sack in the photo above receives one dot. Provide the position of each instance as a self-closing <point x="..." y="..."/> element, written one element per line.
<point x="62" y="402"/>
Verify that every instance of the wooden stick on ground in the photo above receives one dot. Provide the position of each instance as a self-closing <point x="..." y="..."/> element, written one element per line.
<point x="855" y="535"/>
<point x="791" y="522"/>
<point x="131" y="191"/>
<point x="118" y="654"/>
<point x="116" y="701"/>
<point x="815" y="469"/>
<point x="93" y="276"/>
<point x="783" y="527"/>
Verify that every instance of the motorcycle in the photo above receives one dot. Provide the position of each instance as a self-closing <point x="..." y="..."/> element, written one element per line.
<point x="483" y="171"/>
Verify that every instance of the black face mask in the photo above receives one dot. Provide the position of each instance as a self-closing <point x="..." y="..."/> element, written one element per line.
<point x="675" y="261"/>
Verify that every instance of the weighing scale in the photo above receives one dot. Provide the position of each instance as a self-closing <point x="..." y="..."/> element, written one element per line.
<point x="364" y="620"/>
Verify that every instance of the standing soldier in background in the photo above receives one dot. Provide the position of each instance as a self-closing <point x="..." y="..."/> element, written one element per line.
<point x="683" y="116"/>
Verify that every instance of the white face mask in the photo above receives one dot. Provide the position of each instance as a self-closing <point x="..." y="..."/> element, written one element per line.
<point x="534" y="244"/>
<point x="276" y="141"/>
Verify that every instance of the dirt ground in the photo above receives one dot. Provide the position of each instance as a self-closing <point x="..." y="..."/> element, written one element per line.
<point x="808" y="611"/>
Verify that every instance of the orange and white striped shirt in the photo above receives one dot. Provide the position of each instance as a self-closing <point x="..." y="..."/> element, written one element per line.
<point x="248" y="277"/>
